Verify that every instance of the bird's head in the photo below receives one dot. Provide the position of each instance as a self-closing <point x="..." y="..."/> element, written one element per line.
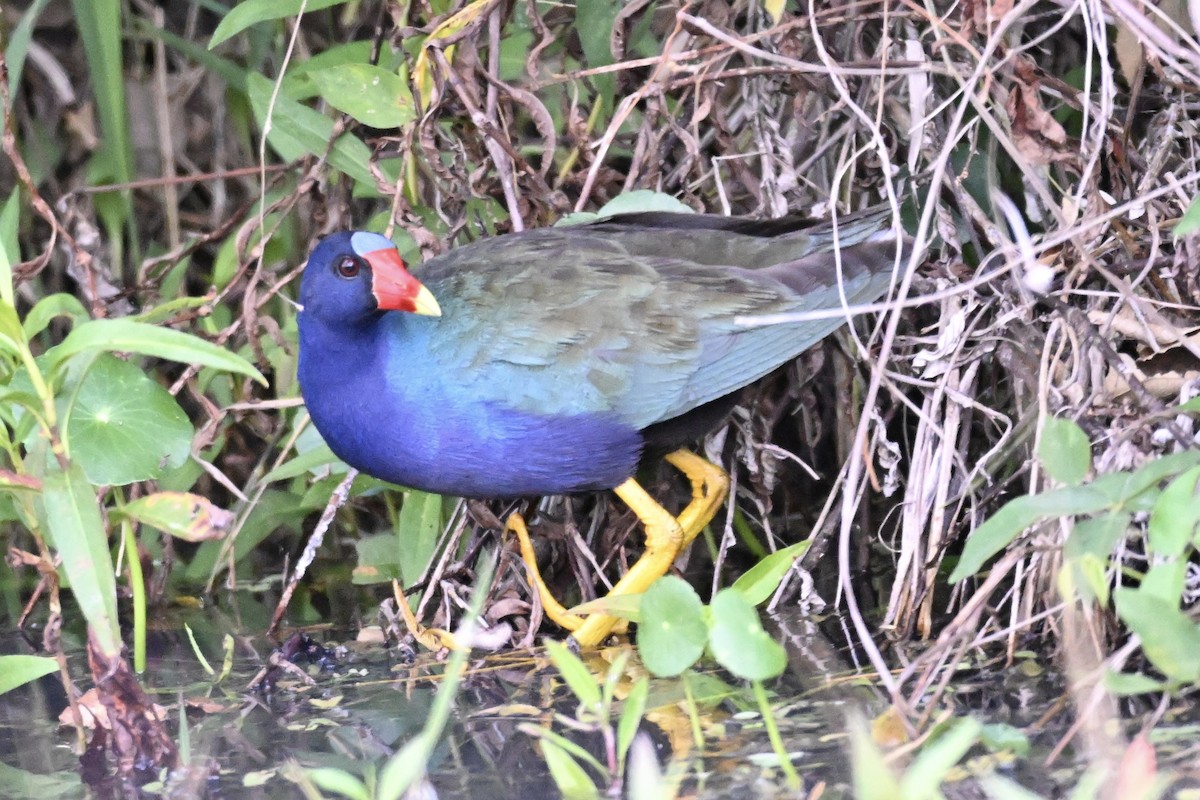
<point x="351" y="275"/>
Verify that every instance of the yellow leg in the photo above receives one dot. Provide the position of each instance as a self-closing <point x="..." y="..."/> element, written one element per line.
<point x="554" y="609"/>
<point x="710" y="485"/>
<point x="666" y="537"/>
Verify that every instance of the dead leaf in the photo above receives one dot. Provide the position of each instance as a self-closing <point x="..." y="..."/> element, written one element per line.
<point x="1036" y="133"/>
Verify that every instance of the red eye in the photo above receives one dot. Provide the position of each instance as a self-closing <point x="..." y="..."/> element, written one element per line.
<point x="349" y="266"/>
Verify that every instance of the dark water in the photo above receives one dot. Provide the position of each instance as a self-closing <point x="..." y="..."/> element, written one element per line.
<point x="373" y="700"/>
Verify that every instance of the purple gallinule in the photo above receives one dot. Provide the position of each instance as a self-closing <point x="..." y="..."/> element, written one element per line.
<point x="549" y="361"/>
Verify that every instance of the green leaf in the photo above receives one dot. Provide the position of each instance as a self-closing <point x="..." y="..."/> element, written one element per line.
<point x="307" y="461"/>
<point x="623" y="606"/>
<point x="124" y="427"/>
<point x="14" y="54"/>
<point x="378" y="560"/>
<point x="738" y="641"/>
<point x="1169" y="639"/>
<point x="631" y="716"/>
<point x="672" y="633"/>
<point x="1064" y="450"/>
<point x="1122" y="488"/>
<point x="760" y="581"/>
<point x="1176" y="515"/>
<point x="100" y="26"/>
<point x="72" y="522"/>
<point x="571" y="780"/>
<point x="1165" y="579"/>
<point x="372" y="95"/>
<point x="576" y="675"/>
<point x="417" y="530"/>
<point x="1097" y="536"/>
<point x="252" y="12"/>
<point x="1000" y="736"/>
<point x="297" y="131"/>
<point x="1126" y="684"/>
<point x="12" y="335"/>
<point x="130" y="336"/>
<point x="872" y="777"/>
<point x="634" y="202"/>
<point x="21" y="669"/>
<point x="1189" y="223"/>
<point x="332" y="779"/>
<point x="183" y="515"/>
<point x="51" y="307"/>
<point x="1018" y="514"/>
<point x="10" y="252"/>
<point x="932" y="765"/>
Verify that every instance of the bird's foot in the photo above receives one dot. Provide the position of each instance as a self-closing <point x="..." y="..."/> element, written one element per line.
<point x="666" y="537"/>
<point x="433" y="639"/>
<point x="710" y="485"/>
<point x="555" y="610"/>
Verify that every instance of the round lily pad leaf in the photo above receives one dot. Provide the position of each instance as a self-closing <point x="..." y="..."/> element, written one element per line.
<point x="738" y="640"/>
<point x="124" y="427"/>
<point x="673" y="630"/>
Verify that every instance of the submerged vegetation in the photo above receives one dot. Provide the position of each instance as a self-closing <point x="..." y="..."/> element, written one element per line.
<point x="1001" y="458"/>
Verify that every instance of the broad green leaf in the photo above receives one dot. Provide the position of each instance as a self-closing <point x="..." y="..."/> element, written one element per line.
<point x="124" y="427"/>
<point x="1169" y="638"/>
<point x="576" y="675"/>
<point x="1176" y="515"/>
<point x="130" y="336"/>
<point x="1018" y="514"/>
<point x="372" y="95"/>
<point x="571" y="780"/>
<point x="594" y="24"/>
<point x="183" y="515"/>
<point x="1129" y="489"/>
<point x="252" y="12"/>
<point x="760" y="581"/>
<point x="72" y="522"/>
<point x="1097" y="536"/>
<point x="1165" y="579"/>
<point x="18" y="670"/>
<point x="673" y="630"/>
<point x="739" y="643"/>
<point x="1064" y="450"/>
<point x="297" y="131"/>
<point x="1189" y="223"/>
<point x="417" y="530"/>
